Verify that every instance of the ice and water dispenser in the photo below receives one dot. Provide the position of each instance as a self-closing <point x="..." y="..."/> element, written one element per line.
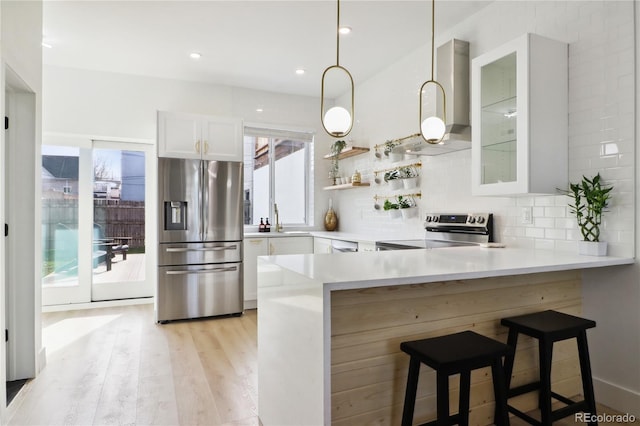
<point x="175" y="215"/>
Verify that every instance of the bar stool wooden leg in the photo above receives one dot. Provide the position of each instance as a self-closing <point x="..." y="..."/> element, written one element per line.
<point x="410" y="394"/>
<point x="500" y="392"/>
<point x="545" y="350"/>
<point x="465" y="391"/>
<point x="510" y="357"/>
<point x="443" y="398"/>
<point x="585" y="372"/>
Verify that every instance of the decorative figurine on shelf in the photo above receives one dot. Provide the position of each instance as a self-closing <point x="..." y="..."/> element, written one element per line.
<point x="356" y="179"/>
<point x="330" y="218"/>
<point x="336" y="149"/>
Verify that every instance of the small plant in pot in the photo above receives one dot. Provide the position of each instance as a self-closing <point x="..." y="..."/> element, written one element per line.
<point x="336" y="149"/>
<point x="590" y="199"/>
<point x="409" y="176"/>
<point x="392" y="177"/>
<point x="392" y="208"/>
<point x="405" y="205"/>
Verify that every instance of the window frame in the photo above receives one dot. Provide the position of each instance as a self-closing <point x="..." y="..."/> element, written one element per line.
<point x="306" y="136"/>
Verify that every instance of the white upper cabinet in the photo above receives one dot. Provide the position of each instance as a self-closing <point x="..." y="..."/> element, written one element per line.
<point x="196" y="136"/>
<point x="520" y="118"/>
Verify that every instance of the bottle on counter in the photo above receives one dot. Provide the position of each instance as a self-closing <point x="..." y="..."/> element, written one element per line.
<point x="261" y="227"/>
<point x="267" y="226"/>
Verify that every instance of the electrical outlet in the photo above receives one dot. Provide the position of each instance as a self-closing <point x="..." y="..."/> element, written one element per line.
<point x="526" y="216"/>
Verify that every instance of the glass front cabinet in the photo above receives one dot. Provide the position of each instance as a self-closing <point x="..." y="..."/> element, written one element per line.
<point x="520" y="118"/>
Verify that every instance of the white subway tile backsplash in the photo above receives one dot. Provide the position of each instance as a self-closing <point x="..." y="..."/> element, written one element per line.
<point x="600" y="37"/>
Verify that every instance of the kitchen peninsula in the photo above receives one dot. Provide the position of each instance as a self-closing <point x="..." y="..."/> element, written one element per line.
<point x="330" y="326"/>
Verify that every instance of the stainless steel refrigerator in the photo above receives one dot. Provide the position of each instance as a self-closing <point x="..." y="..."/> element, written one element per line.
<point x="200" y="231"/>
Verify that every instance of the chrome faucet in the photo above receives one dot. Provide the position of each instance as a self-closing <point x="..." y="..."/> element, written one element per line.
<point x="278" y="225"/>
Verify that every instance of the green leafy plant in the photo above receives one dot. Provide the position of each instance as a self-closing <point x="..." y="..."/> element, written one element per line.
<point x="388" y="205"/>
<point x="404" y="203"/>
<point x="407" y="172"/>
<point x="391" y="175"/>
<point x="336" y="149"/>
<point x="388" y="146"/>
<point x="590" y="199"/>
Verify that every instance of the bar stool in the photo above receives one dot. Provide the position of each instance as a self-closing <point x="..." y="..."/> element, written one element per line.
<point x="550" y="327"/>
<point x="453" y="354"/>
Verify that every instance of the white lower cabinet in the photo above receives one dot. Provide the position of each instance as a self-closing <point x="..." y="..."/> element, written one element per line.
<point x="322" y="245"/>
<point x="254" y="247"/>
<point x="366" y="246"/>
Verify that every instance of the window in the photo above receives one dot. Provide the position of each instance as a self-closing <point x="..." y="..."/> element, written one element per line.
<point x="278" y="168"/>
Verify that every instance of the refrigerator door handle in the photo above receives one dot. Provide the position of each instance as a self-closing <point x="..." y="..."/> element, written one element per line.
<point x="203" y="271"/>
<point x="184" y="250"/>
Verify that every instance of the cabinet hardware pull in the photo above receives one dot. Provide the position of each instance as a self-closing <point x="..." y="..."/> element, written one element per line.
<point x="183" y="250"/>
<point x="198" y="146"/>
<point x="206" y="147"/>
<point x="203" y="271"/>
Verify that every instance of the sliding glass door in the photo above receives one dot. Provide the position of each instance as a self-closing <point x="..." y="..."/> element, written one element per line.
<point x="95" y="222"/>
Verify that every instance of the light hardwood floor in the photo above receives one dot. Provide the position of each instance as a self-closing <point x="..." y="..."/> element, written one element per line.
<point x="116" y="366"/>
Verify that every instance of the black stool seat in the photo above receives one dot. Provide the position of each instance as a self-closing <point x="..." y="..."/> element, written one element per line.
<point x="453" y="354"/>
<point x="550" y="327"/>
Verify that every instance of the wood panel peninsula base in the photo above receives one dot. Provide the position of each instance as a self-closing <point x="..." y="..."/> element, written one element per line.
<point x="330" y="327"/>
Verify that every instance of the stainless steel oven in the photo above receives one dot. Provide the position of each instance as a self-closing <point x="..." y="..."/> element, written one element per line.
<point x="447" y="230"/>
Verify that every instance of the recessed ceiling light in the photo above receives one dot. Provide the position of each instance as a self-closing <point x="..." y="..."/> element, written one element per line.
<point x="300" y="71"/>
<point x="259" y="110"/>
<point x="344" y="30"/>
<point x="195" y="55"/>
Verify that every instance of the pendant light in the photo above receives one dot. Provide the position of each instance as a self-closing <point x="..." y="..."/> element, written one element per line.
<point x="432" y="128"/>
<point x="337" y="121"/>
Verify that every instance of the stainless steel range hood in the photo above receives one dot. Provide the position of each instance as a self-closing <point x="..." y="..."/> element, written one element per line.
<point x="452" y="72"/>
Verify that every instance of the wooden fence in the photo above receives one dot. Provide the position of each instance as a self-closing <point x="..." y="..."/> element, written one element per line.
<point x="125" y="219"/>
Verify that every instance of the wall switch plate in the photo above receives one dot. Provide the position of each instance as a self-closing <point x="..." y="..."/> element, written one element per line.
<point x="526" y="216"/>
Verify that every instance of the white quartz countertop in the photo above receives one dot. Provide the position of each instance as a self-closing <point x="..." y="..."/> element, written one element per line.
<point x="274" y="234"/>
<point x="372" y="269"/>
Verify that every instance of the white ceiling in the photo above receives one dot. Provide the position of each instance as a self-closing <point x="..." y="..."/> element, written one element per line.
<point x="253" y="44"/>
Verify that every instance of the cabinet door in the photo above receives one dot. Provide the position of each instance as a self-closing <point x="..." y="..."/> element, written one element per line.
<point x="520" y="118"/>
<point x="222" y="138"/>
<point x="290" y="245"/>
<point x="322" y="245"/>
<point x="253" y="248"/>
<point x="179" y="135"/>
<point x="366" y="246"/>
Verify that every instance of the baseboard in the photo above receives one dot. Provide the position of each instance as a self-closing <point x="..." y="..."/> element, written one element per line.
<point x="616" y="397"/>
<point x="250" y="304"/>
<point x="95" y="305"/>
<point x="42" y="360"/>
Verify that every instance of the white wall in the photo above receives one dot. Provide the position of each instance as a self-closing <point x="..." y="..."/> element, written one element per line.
<point x="21" y="69"/>
<point x="602" y="92"/>
<point x="118" y="105"/>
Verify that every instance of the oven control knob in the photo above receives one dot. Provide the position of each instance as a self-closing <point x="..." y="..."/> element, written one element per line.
<point x="480" y="219"/>
<point x="436" y="218"/>
<point x="471" y="219"/>
<point x="428" y="219"/>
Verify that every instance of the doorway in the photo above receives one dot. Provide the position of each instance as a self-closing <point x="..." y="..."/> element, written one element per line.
<point x="17" y="254"/>
<point x="95" y="224"/>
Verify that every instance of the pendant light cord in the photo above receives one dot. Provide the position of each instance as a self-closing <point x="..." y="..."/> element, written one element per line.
<point x="433" y="24"/>
<point x="338" y="36"/>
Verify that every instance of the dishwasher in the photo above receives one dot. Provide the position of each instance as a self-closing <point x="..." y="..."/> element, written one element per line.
<point x="341" y="246"/>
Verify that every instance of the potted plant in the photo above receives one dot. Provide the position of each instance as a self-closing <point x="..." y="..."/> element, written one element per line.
<point x="392" y="177"/>
<point x="409" y="176"/>
<point x="405" y="205"/>
<point x="336" y="149"/>
<point x="388" y="150"/>
<point x="590" y="199"/>
<point x="392" y="208"/>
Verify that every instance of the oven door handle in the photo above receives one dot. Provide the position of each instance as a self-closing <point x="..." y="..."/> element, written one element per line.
<point x="203" y="271"/>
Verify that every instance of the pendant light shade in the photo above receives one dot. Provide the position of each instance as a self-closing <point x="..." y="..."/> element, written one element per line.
<point x="337" y="121"/>
<point x="432" y="129"/>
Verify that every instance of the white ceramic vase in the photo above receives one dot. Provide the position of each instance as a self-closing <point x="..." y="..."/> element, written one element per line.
<point x="394" y="213"/>
<point x="395" y="184"/>
<point x="592" y="248"/>
<point x="410" y="183"/>
<point x="409" y="212"/>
